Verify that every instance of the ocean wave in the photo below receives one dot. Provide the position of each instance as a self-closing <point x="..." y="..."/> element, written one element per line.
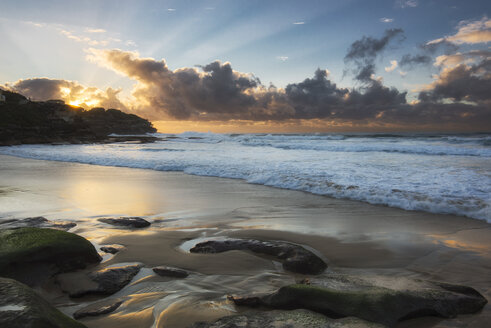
<point x="468" y="145"/>
<point x="389" y="148"/>
<point x="409" y="180"/>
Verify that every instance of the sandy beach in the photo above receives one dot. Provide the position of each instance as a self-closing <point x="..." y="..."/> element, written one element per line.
<point x="354" y="237"/>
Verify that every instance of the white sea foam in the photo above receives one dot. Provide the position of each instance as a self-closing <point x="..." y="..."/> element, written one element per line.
<point x="442" y="174"/>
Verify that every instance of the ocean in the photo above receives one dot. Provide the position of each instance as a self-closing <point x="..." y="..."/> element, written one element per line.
<point x="439" y="173"/>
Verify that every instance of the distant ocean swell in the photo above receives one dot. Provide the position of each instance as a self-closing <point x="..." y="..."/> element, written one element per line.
<point x="434" y="173"/>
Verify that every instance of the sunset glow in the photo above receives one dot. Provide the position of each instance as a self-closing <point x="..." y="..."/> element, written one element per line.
<point x="256" y="66"/>
<point x="245" y="163"/>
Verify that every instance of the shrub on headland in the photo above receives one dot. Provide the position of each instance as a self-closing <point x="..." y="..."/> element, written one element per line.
<point x="25" y="121"/>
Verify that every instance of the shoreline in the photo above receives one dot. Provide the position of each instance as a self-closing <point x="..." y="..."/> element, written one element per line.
<point x="353" y="236"/>
<point x="138" y="139"/>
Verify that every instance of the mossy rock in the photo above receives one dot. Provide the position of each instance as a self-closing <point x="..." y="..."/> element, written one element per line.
<point x="382" y="299"/>
<point x="23" y="307"/>
<point x="26" y="254"/>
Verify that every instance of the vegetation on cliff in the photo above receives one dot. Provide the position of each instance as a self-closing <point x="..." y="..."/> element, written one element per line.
<point x="25" y="121"/>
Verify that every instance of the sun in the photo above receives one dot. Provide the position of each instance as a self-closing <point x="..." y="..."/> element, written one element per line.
<point x="86" y="103"/>
<point x="75" y="102"/>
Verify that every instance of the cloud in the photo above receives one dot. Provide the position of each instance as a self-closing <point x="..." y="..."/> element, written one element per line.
<point x="386" y="20"/>
<point x="393" y="66"/>
<point x="407" y="3"/>
<point x="469" y="57"/>
<point x="171" y="9"/>
<point x="409" y="60"/>
<point x="282" y="58"/>
<point x="42" y="89"/>
<point x="362" y="53"/>
<point x="84" y="39"/>
<point x="95" y="30"/>
<point x="445" y="46"/>
<point x="461" y="82"/>
<point x="298" y="23"/>
<point x="458" y="98"/>
<point x="198" y="92"/>
<point x="468" y="32"/>
<point x="216" y="92"/>
<point x="35" y="24"/>
<point x="92" y="37"/>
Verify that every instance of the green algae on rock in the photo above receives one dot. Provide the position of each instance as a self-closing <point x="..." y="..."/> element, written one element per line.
<point x="380" y="299"/>
<point x="23" y="307"/>
<point x="26" y="252"/>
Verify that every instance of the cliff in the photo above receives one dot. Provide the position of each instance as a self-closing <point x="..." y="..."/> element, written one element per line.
<point x="27" y="122"/>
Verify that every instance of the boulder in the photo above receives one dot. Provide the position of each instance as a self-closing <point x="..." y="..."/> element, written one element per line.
<point x="28" y="254"/>
<point x="295" y="258"/>
<point x="381" y="299"/>
<point x="103" y="282"/>
<point x="166" y="271"/>
<point x="130" y="222"/>
<point x="98" y="308"/>
<point x="285" y="319"/>
<point x="38" y="222"/>
<point x="20" y="306"/>
<point x="111" y="249"/>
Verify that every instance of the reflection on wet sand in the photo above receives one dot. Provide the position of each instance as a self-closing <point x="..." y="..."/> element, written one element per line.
<point x="467" y="240"/>
<point x="137" y="318"/>
<point x="354" y="237"/>
<point x="96" y="196"/>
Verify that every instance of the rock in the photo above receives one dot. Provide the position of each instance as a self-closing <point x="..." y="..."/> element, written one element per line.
<point x="131" y="222"/>
<point x="285" y="319"/>
<point x="103" y="282"/>
<point x="38" y="222"/>
<point x="295" y="258"/>
<point x="26" y="254"/>
<point x="20" y="306"/>
<point x="98" y="308"/>
<point x="166" y="271"/>
<point x="25" y="121"/>
<point x="381" y="299"/>
<point x="112" y="249"/>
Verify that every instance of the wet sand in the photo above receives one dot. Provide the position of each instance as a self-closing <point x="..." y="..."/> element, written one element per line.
<point x="354" y="237"/>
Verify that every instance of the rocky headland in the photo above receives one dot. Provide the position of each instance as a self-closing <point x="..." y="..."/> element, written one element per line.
<point x="40" y="122"/>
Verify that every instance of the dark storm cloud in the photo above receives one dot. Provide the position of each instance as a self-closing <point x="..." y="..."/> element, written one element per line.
<point x="409" y="60"/>
<point x="368" y="48"/>
<point x="42" y="89"/>
<point x="315" y="97"/>
<point x="318" y="97"/>
<point x="213" y="90"/>
<point x="437" y="115"/>
<point x="217" y="92"/>
<point x="362" y="53"/>
<point x="462" y="82"/>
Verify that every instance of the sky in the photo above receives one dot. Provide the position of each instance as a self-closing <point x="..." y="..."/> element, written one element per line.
<point x="258" y="66"/>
